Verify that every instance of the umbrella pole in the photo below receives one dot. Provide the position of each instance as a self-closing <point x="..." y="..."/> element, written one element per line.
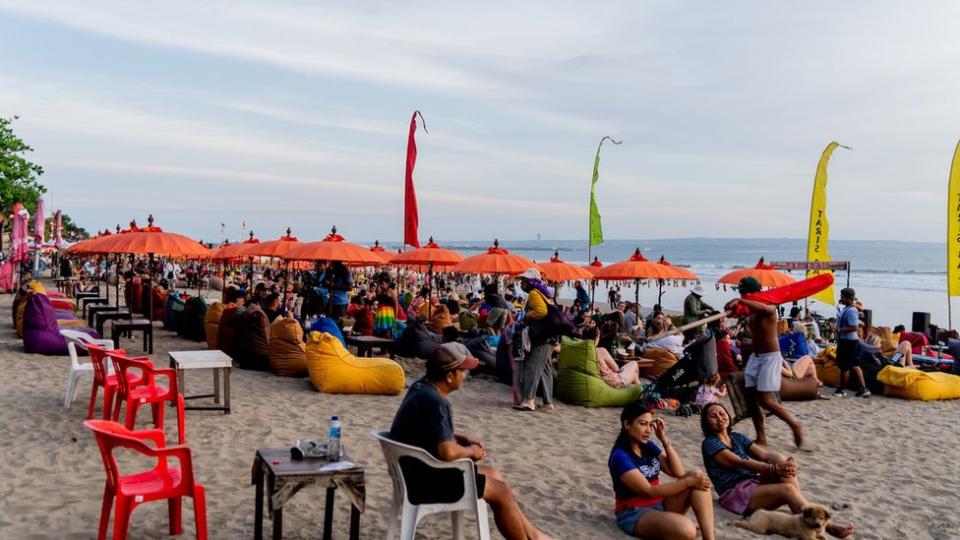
<point x="150" y="289"/>
<point x="659" y="293"/>
<point x="636" y="290"/>
<point x="430" y="291"/>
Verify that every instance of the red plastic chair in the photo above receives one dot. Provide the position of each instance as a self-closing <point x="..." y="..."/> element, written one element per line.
<point x="146" y="392"/>
<point x="102" y="378"/>
<point x="161" y="482"/>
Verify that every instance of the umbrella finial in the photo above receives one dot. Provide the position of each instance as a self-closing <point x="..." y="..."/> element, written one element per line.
<point x="496" y="243"/>
<point x="251" y="234"/>
<point x="118" y="228"/>
<point x="376" y="243"/>
<point x="430" y="241"/>
<point x="150" y="220"/>
<point x="556" y="254"/>
<point x="333" y="230"/>
<point x="289" y="231"/>
<point x="133" y="224"/>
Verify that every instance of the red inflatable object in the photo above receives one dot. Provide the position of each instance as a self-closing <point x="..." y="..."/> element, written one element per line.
<point x="788" y="293"/>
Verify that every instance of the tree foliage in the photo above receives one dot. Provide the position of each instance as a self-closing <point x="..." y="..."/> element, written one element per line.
<point x="18" y="175"/>
<point x="71" y="231"/>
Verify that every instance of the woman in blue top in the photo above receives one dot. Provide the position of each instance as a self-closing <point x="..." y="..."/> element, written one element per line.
<point x="747" y="476"/>
<point x="645" y="507"/>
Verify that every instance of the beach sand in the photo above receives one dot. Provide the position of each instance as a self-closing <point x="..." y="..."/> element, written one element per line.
<point x="895" y="463"/>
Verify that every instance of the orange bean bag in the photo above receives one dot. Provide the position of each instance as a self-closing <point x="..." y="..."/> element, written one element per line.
<point x="288" y="356"/>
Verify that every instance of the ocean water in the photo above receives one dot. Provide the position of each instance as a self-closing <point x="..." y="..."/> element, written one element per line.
<point x="893" y="279"/>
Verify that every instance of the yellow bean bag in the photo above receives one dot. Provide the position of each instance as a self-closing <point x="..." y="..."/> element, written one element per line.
<point x="826" y="364"/>
<point x="211" y="324"/>
<point x="21" y="309"/>
<point x="334" y="370"/>
<point x="915" y="384"/>
<point x="287" y="349"/>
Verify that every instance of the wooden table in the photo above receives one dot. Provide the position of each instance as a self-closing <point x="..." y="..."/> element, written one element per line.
<point x="365" y="344"/>
<point x="641" y="362"/>
<point x="90" y="301"/>
<point x="284" y="477"/>
<point x="93" y="310"/>
<point x="129" y="327"/>
<point x="216" y="360"/>
<point x="103" y="316"/>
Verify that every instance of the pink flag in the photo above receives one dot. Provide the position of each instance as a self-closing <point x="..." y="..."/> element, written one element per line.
<point x="38" y="224"/>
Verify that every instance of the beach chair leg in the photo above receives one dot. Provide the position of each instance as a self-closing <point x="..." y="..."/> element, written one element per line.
<point x="408" y="523"/>
<point x="457" y="518"/>
<point x="71" y="389"/>
<point x="393" y="520"/>
<point x="483" y="522"/>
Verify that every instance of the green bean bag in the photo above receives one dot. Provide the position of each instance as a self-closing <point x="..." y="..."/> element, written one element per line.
<point x="578" y="378"/>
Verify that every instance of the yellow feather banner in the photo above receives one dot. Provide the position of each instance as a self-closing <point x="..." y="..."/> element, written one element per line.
<point x="819" y="234"/>
<point x="953" y="227"/>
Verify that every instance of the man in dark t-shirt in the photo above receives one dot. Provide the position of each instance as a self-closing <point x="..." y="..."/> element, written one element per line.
<point x="425" y="420"/>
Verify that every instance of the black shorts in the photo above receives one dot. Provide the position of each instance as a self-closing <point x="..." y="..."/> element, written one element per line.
<point x="427" y="485"/>
<point x="847" y="352"/>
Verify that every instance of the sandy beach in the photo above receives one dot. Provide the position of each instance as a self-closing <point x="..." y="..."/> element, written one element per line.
<point x="895" y="463"/>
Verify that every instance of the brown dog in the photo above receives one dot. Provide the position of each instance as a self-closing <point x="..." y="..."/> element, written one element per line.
<point x="809" y="524"/>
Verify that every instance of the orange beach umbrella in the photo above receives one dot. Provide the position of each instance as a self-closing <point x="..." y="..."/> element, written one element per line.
<point x="557" y="270"/>
<point x="634" y="269"/>
<point x="232" y="253"/>
<point x="150" y="240"/>
<point x="273" y="248"/>
<point x="679" y="273"/>
<point x="379" y="250"/>
<point x="495" y="260"/>
<point x="333" y="248"/>
<point x="765" y="273"/>
<point x="429" y="255"/>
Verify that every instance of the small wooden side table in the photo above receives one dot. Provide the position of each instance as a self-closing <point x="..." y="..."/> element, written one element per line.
<point x="216" y="360"/>
<point x="283" y="477"/>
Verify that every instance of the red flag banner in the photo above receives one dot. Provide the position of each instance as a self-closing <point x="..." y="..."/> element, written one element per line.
<point x="411" y="218"/>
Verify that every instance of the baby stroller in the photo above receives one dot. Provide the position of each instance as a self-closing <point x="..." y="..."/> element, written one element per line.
<point x="682" y="380"/>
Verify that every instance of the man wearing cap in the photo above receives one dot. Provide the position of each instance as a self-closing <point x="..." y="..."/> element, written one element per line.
<point x="694" y="308"/>
<point x="848" y="342"/>
<point x="425" y="420"/>
<point x="762" y="373"/>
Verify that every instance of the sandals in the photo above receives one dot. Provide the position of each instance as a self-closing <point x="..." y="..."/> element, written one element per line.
<point x="524" y="408"/>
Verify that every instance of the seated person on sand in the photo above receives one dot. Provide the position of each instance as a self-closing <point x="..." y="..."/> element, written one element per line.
<point x="425" y="420"/>
<point x="645" y="506"/>
<point x="672" y="343"/>
<point x="711" y="390"/>
<point x="901" y="354"/>
<point x="747" y="476"/>
<point x="363" y="318"/>
<point x="615" y="376"/>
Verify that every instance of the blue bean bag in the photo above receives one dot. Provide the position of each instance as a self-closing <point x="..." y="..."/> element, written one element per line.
<point x="329" y="326"/>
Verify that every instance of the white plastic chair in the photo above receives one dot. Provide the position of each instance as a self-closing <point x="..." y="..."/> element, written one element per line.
<point x="409" y="514"/>
<point x="77" y="369"/>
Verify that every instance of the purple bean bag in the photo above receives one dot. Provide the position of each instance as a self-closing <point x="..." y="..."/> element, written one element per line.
<point x="41" y="334"/>
<point x="63" y="315"/>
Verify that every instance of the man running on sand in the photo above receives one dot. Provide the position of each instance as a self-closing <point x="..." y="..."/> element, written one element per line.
<point x="762" y="372"/>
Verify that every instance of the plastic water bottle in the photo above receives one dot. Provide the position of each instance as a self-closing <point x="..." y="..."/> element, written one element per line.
<point x="333" y="439"/>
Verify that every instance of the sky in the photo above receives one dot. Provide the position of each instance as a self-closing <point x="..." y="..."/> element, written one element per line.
<point x="277" y="114"/>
